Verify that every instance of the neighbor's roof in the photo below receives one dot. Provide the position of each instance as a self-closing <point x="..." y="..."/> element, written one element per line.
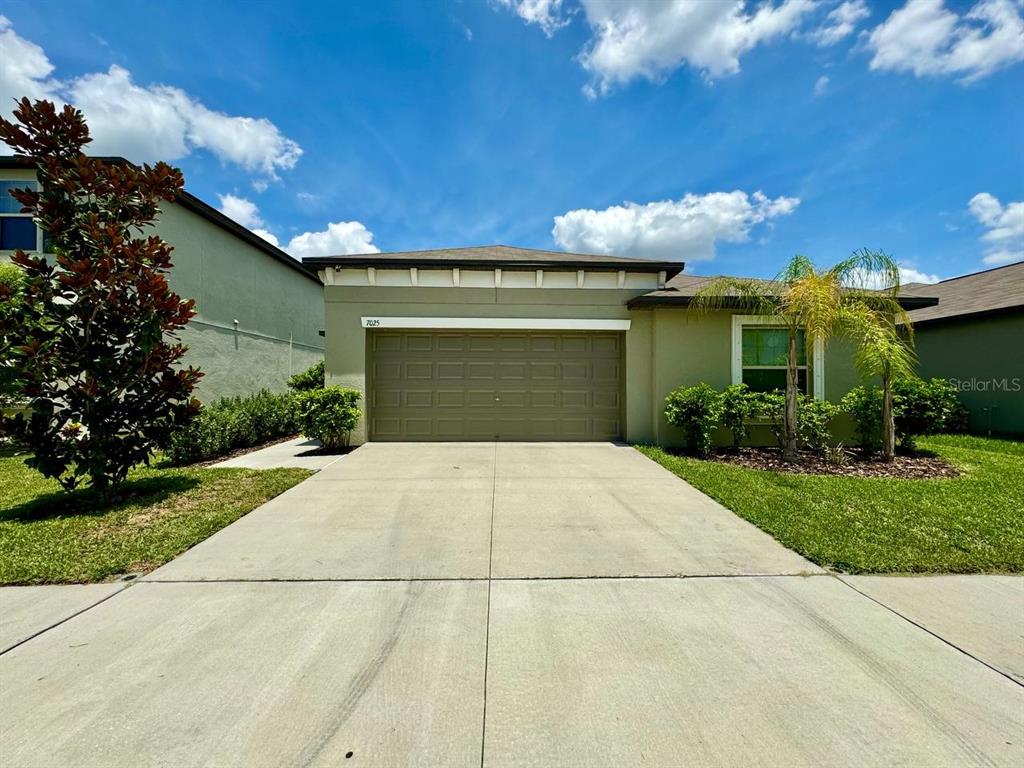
<point x="680" y="291"/>
<point x="192" y="203"/>
<point x="498" y="257"/>
<point x="995" y="290"/>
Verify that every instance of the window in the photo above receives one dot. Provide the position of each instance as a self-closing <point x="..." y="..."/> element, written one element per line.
<point x="760" y="347"/>
<point x="764" y="358"/>
<point x="17" y="230"/>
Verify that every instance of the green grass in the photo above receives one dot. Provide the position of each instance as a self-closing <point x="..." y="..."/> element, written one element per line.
<point x="47" y="536"/>
<point x="970" y="524"/>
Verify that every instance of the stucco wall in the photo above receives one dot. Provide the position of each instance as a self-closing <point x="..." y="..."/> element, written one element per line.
<point x="984" y="358"/>
<point x="665" y="348"/>
<point x="279" y="311"/>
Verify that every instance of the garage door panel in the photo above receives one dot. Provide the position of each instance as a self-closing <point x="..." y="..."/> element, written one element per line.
<point x="511" y="385"/>
<point x="451" y="398"/>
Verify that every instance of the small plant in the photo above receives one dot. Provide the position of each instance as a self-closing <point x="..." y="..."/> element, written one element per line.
<point x="737" y="407"/>
<point x="814" y="424"/>
<point x="311" y="378"/>
<point x="11" y="288"/>
<point x="696" y="410"/>
<point x="864" y="404"/>
<point x="329" y="415"/>
<point x="836" y="455"/>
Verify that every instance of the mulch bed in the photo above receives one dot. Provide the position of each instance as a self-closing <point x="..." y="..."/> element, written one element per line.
<point x="916" y="467"/>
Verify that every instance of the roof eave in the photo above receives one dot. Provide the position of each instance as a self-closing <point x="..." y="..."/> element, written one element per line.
<point x="670" y="268"/>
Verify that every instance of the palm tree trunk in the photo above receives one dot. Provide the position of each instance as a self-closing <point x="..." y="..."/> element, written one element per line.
<point x="888" y="419"/>
<point x="789" y="424"/>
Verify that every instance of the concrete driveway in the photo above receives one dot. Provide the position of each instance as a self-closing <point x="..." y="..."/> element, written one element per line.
<point x="500" y="605"/>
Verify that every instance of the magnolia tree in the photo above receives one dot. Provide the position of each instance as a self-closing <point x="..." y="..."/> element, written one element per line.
<point x="97" y="353"/>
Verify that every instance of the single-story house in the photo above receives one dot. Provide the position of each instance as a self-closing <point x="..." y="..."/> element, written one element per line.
<point x="260" y="312"/>
<point x="974" y="336"/>
<point x="519" y="344"/>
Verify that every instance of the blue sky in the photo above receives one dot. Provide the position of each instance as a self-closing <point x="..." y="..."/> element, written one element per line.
<point x="729" y="135"/>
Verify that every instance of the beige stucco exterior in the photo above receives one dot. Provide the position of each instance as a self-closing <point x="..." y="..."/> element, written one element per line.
<point x="258" y="320"/>
<point x="664" y="347"/>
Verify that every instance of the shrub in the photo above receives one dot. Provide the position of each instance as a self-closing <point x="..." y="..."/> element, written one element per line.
<point x="329" y="415"/>
<point x="814" y="420"/>
<point x="864" y="404"/>
<point x="920" y="408"/>
<point x="696" y="410"/>
<point x="11" y="287"/>
<point x="924" y="408"/>
<point x="232" y="423"/>
<point x="770" y="407"/>
<point x="311" y="378"/>
<point x="737" y="407"/>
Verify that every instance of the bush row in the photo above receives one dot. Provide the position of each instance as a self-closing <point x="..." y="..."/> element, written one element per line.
<point x="232" y="423"/>
<point x="327" y="414"/>
<point x="919" y="408"/>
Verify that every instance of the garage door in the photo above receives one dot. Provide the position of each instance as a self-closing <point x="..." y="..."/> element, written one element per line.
<point x="506" y="385"/>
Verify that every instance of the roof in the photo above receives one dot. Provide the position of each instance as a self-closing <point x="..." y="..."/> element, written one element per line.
<point x="982" y="293"/>
<point x="497" y="257"/>
<point x="680" y="292"/>
<point x="205" y="210"/>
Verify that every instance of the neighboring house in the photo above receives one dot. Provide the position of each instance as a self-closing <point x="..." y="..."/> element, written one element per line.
<point x="975" y="337"/>
<point x="260" y="312"/>
<point x="517" y="344"/>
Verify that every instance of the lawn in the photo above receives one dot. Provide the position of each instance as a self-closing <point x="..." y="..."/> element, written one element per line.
<point x="970" y="524"/>
<point x="47" y="536"/>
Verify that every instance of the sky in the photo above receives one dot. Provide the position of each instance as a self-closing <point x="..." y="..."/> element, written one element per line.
<point x="726" y="134"/>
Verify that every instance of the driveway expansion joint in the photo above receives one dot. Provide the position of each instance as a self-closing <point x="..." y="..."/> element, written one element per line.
<point x="923" y="628"/>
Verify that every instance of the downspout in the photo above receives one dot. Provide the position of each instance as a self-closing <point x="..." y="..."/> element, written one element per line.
<point x="654" y="377"/>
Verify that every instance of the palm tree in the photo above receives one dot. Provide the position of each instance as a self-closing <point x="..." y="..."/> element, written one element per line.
<point x="820" y="303"/>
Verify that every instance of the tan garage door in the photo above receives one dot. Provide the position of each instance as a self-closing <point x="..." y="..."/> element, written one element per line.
<point x="504" y="385"/>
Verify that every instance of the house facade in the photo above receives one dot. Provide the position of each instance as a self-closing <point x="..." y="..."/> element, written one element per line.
<point x="975" y="338"/>
<point x="517" y="344"/>
<point x="259" y="311"/>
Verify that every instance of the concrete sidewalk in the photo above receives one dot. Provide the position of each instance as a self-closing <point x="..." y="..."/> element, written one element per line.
<point x="504" y="605"/>
<point x="299" y="452"/>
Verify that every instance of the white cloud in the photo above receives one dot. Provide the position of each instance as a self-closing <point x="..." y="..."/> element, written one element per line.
<point x="634" y="38"/>
<point x="1004" y="226"/>
<point x="911" y="275"/>
<point x="339" y="237"/>
<point x="841" y="22"/>
<point x="925" y="38"/>
<point x="688" y="228"/>
<point x="143" y="123"/>
<point x="821" y="85"/>
<point x="546" y="14"/>
<point x="245" y="212"/>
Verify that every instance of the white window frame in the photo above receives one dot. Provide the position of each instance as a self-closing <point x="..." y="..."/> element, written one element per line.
<point x="817" y="355"/>
<point x="39" y="231"/>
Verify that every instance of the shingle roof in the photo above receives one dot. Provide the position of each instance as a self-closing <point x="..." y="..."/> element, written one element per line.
<point x="680" y="290"/>
<point x="994" y="290"/>
<point x="496" y="256"/>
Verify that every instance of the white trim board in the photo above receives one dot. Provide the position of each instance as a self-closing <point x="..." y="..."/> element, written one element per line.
<point x="497" y="323"/>
<point x="817" y="356"/>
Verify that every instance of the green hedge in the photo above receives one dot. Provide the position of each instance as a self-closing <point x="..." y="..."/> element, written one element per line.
<point x="329" y="415"/>
<point x="232" y="423"/>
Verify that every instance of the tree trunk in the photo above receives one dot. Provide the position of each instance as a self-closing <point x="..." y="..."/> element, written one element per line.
<point x="789" y="424"/>
<point x="888" y="419"/>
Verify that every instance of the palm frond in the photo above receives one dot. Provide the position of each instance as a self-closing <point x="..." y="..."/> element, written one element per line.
<point x="754" y="296"/>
